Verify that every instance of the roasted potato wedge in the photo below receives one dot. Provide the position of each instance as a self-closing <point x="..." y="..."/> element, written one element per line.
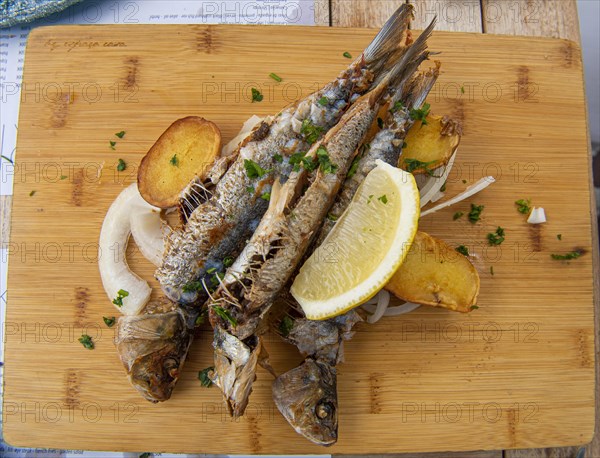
<point x="185" y="150"/>
<point x="433" y="273"/>
<point x="429" y="146"/>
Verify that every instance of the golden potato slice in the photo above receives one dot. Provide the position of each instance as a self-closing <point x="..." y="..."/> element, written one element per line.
<point x="429" y="146"/>
<point x="185" y="150"/>
<point x="433" y="273"/>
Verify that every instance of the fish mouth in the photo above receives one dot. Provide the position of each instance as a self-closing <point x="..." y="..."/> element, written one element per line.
<point x="306" y="396"/>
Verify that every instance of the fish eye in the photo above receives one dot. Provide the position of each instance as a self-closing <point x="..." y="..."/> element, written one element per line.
<point x="324" y="409"/>
<point x="171" y="366"/>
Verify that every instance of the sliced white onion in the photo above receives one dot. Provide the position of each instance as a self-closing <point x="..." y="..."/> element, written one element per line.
<point x="432" y="185"/>
<point x="438" y="195"/>
<point x="407" y="307"/>
<point x="383" y="301"/>
<point x="242" y="134"/>
<point x="378" y="307"/>
<point x="147" y="230"/>
<point x="114" y="271"/>
<point x="537" y="216"/>
<point x="471" y="190"/>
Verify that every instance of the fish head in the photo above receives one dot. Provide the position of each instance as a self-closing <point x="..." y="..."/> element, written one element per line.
<point x="153" y="349"/>
<point x="307" y="397"/>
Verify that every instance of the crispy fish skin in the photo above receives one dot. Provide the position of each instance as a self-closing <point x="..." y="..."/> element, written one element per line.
<point x="209" y="234"/>
<point x="307" y="398"/>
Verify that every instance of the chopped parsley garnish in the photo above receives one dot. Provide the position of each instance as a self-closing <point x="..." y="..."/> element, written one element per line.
<point x="347" y="55"/>
<point x="250" y="190"/>
<point x="278" y="158"/>
<point x="201" y="318"/>
<point x="324" y="161"/>
<point x="443" y="188"/>
<point x="122" y="165"/>
<point x="7" y="159"/>
<point x="475" y="213"/>
<point x="496" y="238"/>
<point x="275" y="77"/>
<point x="145" y="455"/>
<point x="256" y="95"/>
<point x="370" y="198"/>
<point x="414" y="164"/>
<point x="559" y="236"/>
<point x="462" y="89"/>
<point x="174" y="161"/>
<point x="86" y="341"/>
<point x="253" y="170"/>
<point x="323" y="101"/>
<point x="112" y="144"/>
<point x="286" y="326"/>
<point x="63" y="177"/>
<point x="380" y="123"/>
<point x="463" y="250"/>
<point x="120" y="134"/>
<point x="205" y="380"/>
<point x="32" y="193"/>
<point x="398" y="106"/>
<point x="266" y="196"/>
<point x="332" y="217"/>
<point x="109" y="321"/>
<point x="353" y="167"/>
<point x="420" y="114"/>
<point x="118" y="301"/>
<point x="193" y="286"/>
<point x="224" y="314"/>
<point x="212" y="270"/>
<point x="457" y="215"/>
<point x="228" y="261"/>
<point x="464" y="181"/>
<point x="568" y="256"/>
<point x="383" y="199"/>
<point x="474" y="307"/>
<point x="523" y="206"/>
<point x="310" y="132"/>
<point x="492" y="270"/>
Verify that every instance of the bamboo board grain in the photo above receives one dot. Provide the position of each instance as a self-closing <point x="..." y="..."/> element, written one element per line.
<point x="517" y="373"/>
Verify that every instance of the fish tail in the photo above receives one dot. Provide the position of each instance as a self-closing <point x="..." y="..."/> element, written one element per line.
<point x="420" y="86"/>
<point x="404" y="69"/>
<point x="389" y="37"/>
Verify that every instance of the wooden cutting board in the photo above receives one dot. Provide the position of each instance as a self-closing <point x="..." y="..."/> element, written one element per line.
<point x="516" y="373"/>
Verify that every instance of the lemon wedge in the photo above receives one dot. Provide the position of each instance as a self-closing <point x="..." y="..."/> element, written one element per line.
<point x="364" y="248"/>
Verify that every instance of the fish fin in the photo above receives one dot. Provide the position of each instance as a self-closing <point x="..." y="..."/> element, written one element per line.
<point x="390" y="35"/>
<point x="195" y="194"/>
<point x="419" y="87"/>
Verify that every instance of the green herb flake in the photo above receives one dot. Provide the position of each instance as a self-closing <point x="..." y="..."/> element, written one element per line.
<point x="475" y="213"/>
<point x="323" y="101"/>
<point x="212" y="270"/>
<point x="464" y="181"/>
<point x="120" y="134"/>
<point x="174" y="161"/>
<point x="324" y="161"/>
<point x="353" y="167"/>
<point x="112" y="144"/>
<point x="380" y="123"/>
<point x="332" y="217"/>
<point x="567" y="256"/>
<point x="474" y="307"/>
<point x="109" y="321"/>
<point x="275" y="77"/>
<point x="347" y="55"/>
<point x="63" y="177"/>
<point x="118" y="301"/>
<point x="443" y="188"/>
<point x="462" y="89"/>
<point x="250" y="190"/>
<point x="370" y="198"/>
<point x="228" y="261"/>
<point x="266" y="196"/>
<point x="420" y="114"/>
<point x="462" y="250"/>
<point x="256" y="95"/>
<point x="278" y="158"/>
<point x="559" y="236"/>
<point x="383" y="199"/>
<point x="8" y="159"/>
<point x="310" y="131"/>
<point x="397" y="107"/>
<point x="413" y="165"/>
<point x="224" y="314"/>
<point x="457" y="215"/>
<point x="145" y="455"/>
<point x="523" y="206"/>
<point x="496" y="238"/>
<point x="204" y="378"/>
<point x="122" y="165"/>
<point x="253" y="170"/>
<point x="193" y="286"/>
<point x="286" y="326"/>
<point x="32" y="193"/>
<point x="86" y="341"/>
<point x="492" y="270"/>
